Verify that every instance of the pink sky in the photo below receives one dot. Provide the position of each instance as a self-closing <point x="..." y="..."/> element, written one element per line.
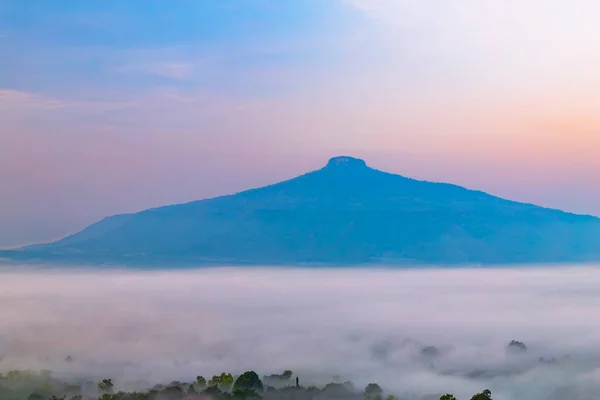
<point x="495" y="96"/>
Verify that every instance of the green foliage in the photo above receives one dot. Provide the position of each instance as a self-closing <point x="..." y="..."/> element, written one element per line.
<point x="248" y="386"/>
<point x="448" y="397"/>
<point x="373" y="389"/>
<point x="485" y="395"/>
<point x="172" y="392"/>
<point x="248" y="380"/>
<point x="214" y="381"/>
<point x="200" y="382"/>
<point x="213" y="391"/>
<point x="245" y="393"/>
<point x="224" y="382"/>
<point x="338" y="389"/>
<point x="278" y="379"/>
<point x="105" y="386"/>
<point x="191" y="389"/>
<point x="123" y="396"/>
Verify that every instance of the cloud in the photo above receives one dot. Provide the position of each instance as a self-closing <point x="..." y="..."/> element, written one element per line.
<point x="22" y="105"/>
<point x="551" y="38"/>
<point x="364" y="325"/>
<point x="129" y="144"/>
<point x="403" y="13"/>
<point x="498" y="96"/>
<point x="173" y="70"/>
<point x="14" y="100"/>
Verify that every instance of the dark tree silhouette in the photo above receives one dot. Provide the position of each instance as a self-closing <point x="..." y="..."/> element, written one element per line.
<point x="105" y="386"/>
<point x="373" y="389"/>
<point x="248" y="380"/>
<point x="448" y="397"/>
<point x="516" y="347"/>
<point x="485" y="395"/>
<point x="35" y="386"/>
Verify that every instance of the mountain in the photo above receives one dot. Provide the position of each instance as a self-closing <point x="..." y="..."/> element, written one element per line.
<point x="344" y="213"/>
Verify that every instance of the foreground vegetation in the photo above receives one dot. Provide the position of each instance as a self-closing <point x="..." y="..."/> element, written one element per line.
<point x="24" y="385"/>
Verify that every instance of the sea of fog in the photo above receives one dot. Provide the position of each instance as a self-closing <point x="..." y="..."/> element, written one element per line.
<point x="361" y="325"/>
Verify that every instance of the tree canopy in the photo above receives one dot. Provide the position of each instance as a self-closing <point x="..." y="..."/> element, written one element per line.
<point x="248" y="381"/>
<point x="23" y="385"/>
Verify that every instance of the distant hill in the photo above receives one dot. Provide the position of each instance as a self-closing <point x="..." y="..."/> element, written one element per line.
<point x="344" y="213"/>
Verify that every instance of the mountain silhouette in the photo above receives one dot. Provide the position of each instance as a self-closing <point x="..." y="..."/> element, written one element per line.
<point x="343" y="213"/>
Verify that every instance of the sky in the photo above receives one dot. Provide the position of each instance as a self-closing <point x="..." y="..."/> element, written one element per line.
<point x="109" y="106"/>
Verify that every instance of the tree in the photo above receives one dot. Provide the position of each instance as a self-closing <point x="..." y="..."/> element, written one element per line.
<point x="372" y="390"/>
<point x="485" y="395"/>
<point x="105" y="386"/>
<point x="215" y="381"/>
<point x="223" y="381"/>
<point x="516" y="347"/>
<point x="171" y="392"/>
<point x="284" y="376"/>
<point x="339" y="390"/>
<point x="245" y="394"/>
<point x="200" y="383"/>
<point x="448" y="397"/>
<point x="226" y="382"/>
<point x="213" y="391"/>
<point x="248" y="380"/>
<point x="191" y="389"/>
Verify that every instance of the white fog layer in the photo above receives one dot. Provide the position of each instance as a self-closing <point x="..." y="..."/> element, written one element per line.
<point x="362" y="325"/>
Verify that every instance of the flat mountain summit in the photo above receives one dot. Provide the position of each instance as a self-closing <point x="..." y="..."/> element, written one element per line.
<point x="344" y="213"/>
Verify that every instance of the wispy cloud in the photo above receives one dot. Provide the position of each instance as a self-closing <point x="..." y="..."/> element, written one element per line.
<point x="533" y="32"/>
<point x="12" y="100"/>
<point x="173" y="70"/>
<point x="498" y="96"/>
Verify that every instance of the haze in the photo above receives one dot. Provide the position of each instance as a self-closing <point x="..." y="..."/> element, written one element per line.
<point x="361" y="325"/>
<point x="110" y="107"/>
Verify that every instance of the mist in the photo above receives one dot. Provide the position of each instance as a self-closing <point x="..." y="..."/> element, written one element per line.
<point x="361" y="325"/>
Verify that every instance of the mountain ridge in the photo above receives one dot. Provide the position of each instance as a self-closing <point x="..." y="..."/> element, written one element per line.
<point x="343" y="213"/>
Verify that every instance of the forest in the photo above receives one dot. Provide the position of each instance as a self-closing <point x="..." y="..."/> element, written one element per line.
<point x="27" y="385"/>
<point x="43" y="385"/>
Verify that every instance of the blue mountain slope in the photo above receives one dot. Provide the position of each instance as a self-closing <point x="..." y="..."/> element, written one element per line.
<point x="343" y="213"/>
